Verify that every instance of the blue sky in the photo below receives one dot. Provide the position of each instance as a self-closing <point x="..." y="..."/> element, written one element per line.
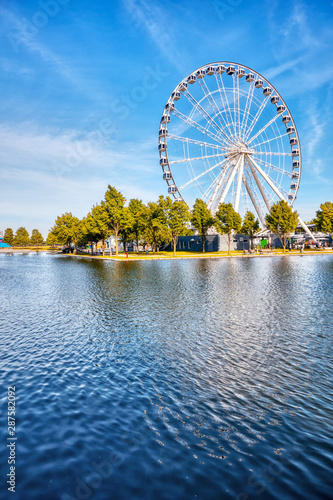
<point x="83" y="85"/>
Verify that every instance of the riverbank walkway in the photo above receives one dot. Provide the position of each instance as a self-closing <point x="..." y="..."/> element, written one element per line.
<point x="142" y="256"/>
<point x="196" y="255"/>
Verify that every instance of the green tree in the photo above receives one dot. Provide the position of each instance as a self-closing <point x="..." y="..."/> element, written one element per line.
<point x="21" y="238"/>
<point x="51" y="239"/>
<point x="178" y="216"/>
<point x="250" y="226"/>
<point x="67" y="230"/>
<point x="163" y="237"/>
<point x="282" y="220"/>
<point x="324" y="219"/>
<point x="88" y="232"/>
<point x="100" y="224"/>
<point x="126" y="232"/>
<point x="8" y="236"/>
<point x="36" y="238"/>
<point x="202" y="219"/>
<point x="155" y="220"/>
<point x="114" y="205"/>
<point x="137" y="209"/>
<point x="228" y="221"/>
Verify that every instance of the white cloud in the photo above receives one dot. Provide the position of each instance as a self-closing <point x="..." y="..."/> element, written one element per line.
<point x="45" y="173"/>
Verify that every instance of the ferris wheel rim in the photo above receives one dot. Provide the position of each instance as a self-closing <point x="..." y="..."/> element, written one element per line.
<point x="165" y="162"/>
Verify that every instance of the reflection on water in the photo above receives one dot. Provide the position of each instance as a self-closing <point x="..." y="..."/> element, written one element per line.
<point x="202" y="379"/>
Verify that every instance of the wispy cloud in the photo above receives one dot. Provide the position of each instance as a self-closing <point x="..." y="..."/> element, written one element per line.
<point x="313" y="136"/>
<point x="154" y="19"/>
<point x="299" y="48"/>
<point x="282" y="68"/>
<point x="24" y="36"/>
<point x="297" y="27"/>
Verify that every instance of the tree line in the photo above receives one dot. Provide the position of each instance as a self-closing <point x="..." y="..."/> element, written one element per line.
<point x="155" y="223"/>
<point x="22" y="238"/>
<point x="162" y="222"/>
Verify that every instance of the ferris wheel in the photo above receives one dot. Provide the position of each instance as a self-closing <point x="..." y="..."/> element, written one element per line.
<point x="226" y="135"/>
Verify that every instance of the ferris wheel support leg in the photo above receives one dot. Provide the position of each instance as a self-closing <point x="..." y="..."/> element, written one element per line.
<point x="261" y="217"/>
<point x="267" y="179"/>
<point x="217" y="199"/>
<point x="217" y="188"/>
<point x="306" y="229"/>
<point x="280" y="195"/>
<point x="239" y="182"/>
<point x="231" y="178"/>
<point x="261" y="189"/>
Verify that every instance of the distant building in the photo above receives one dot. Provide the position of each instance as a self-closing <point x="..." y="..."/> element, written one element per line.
<point x="219" y="242"/>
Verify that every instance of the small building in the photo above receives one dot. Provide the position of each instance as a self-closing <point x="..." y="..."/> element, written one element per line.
<point x="214" y="243"/>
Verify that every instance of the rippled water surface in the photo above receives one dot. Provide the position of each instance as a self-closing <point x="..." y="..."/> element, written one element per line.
<point x="172" y="380"/>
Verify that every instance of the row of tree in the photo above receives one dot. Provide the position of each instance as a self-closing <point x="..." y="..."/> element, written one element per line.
<point x="155" y="223"/>
<point x="22" y="238"/>
<point x="162" y="222"/>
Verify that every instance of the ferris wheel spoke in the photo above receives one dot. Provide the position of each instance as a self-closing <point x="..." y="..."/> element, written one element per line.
<point x="271" y="153"/>
<point x="257" y="116"/>
<point x="215" y="182"/>
<point x="194" y="141"/>
<point x="212" y="186"/>
<point x="225" y="139"/>
<point x="272" y="139"/>
<point x="203" y="173"/>
<point x="193" y="159"/>
<point x="236" y="101"/>
<point x="206" y="115"/>
<point x="196" y="125"/>
<point x="254" y="201"/>
<point x="239" y="182"/>
<point x="221" y="88"/>
<point x="263" y="128"/>
<point x="273" y="167"/>
<point x="247" y="109"/>
<point x="269" y="181"/>
<point x="212" y="103"/>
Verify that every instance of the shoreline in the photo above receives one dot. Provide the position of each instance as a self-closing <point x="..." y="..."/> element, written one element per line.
<point x="206" y="255"/>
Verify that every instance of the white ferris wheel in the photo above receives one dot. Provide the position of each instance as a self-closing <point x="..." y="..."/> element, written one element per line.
<point x="226" y="135"/>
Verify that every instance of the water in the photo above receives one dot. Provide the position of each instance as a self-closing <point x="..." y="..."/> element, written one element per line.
<point x="192" y="379"/>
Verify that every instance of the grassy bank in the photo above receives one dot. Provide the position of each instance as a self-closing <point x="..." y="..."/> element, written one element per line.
<point x="199" y="255"/>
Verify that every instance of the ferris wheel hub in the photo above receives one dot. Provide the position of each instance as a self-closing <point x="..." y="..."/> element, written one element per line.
<point x="237" y="149"/>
